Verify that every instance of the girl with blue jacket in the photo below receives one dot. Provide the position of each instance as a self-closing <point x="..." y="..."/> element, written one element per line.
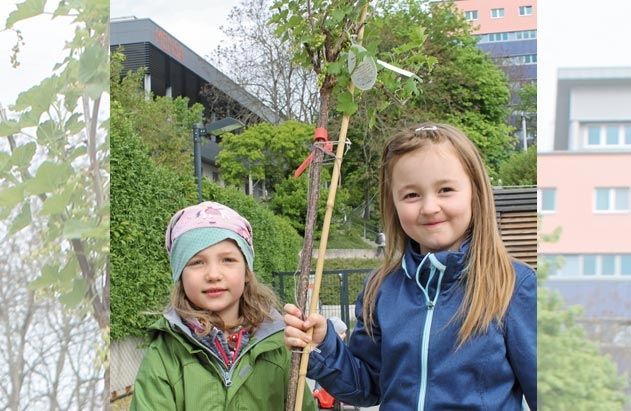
<point x="448" y="322"/>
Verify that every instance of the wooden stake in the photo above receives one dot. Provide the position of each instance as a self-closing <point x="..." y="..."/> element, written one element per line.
<point x="330" y="202"/>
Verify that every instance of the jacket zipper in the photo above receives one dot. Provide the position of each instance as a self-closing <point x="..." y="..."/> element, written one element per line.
<point x="227" y="375"/>
<point x="424" y="354"/>
<point x="431" y="304"/>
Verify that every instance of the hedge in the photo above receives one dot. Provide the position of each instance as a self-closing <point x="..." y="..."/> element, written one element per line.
<point x="144" y="197"/>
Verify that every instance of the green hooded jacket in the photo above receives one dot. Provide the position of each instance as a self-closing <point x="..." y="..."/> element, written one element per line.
<point x="178" y="373"/>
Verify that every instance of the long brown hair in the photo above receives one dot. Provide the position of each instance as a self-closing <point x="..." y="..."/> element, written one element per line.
<point x="255" y="306"/>
<point x="489" y="275"/>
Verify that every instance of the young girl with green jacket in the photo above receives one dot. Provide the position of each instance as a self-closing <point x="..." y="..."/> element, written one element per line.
<point x="219" y="345"/>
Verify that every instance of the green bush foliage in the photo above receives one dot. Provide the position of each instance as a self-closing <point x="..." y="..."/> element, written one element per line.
<point x="520" y="169"/>
<point x="144" y="197"/>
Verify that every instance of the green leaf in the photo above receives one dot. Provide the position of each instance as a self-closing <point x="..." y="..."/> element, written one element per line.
<point x="22" y="220"/>
<point x="91" y="62"/>
<point x="345" y="104"/>
<point x="23" y="154"/>
<point x="38" y="97"/>
<point x="79" y="151"/>
<point x="11" y="196"/>
<point x="49" y="176"/>
<point x="56" y="204"/>
<point x="9" y="127"/>
<point x="74" y="124"/>
<point x="62" y="9"/>
<point x="46" y="279"/>
<point x="76" y="229"/>
<point x="334" y="68"/>
<point x="27" y="9"/>
<point x="48" y="132"/>
<point x="29" y="119"/>
<point x="74" y="297"/>
<point x="5" y="161"/>
<point x="68" y="273"/>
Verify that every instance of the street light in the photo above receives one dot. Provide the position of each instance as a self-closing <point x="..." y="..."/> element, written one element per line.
<point x="215" y="128"/>
<point x="524" y="134"/>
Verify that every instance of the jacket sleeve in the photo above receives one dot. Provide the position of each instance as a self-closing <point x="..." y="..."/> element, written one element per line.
<point x="521" y="334"/>
<point x="152" y="390"/>
<point x="349" y="373"/>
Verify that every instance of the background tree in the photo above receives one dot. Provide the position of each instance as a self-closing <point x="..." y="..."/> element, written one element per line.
<point x="258" y="61"/>
<point x="55" y="174"/>
<point x="520" y="169"/>
<point x="46" y="352"/>
<point x="164" y="123"/>
<point x="528" y="105"/>
<point x="460" y="85"/>
<point x="571" y="372"/>
<point x="264" y="152"/>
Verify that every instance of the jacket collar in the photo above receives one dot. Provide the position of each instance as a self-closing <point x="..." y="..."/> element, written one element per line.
<point x="176" y="323"/>
<point x="454" y="262"/>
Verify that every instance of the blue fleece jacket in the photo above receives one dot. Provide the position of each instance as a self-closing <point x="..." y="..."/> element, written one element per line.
<point x="413" y="363"/>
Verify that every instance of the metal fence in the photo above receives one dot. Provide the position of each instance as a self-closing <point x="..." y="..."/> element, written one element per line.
<point x="338" y="291"/>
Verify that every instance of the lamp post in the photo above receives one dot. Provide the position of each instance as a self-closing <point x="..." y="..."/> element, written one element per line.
<point x="524" y="134"/>
<point x="215" y="128"/>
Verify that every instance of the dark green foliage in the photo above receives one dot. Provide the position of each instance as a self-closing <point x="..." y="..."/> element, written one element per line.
<point x="520" y="169"/>
<point x="144" y="197"/>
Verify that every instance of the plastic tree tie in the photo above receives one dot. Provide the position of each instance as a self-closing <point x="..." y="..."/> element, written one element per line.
<point x="320" y="135"/>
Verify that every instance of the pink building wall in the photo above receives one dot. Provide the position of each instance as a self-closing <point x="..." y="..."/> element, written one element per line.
<point x="511" y="21"/>
<point x="575" y="177"/>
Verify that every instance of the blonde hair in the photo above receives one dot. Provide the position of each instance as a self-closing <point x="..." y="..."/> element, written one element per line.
<point x="255" y="306"/>
<point x="489" y="275"/>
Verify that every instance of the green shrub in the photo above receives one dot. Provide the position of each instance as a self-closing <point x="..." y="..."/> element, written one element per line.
<point x="520" y="169"/>
<point x="144" y="197"/>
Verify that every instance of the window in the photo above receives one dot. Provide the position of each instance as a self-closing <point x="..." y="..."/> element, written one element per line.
<point x="526" y="34"/>
<point x="611" y="199"/>
<point x="471" y="15"/>
<point x="547" y="200"/>
<point x="608" y="264"/>
<point x="498" y="37"/>
<point x="525" y="10"/>
<point x="530" y="59"/>
<point x="607" y="136"/>
<point x="497" y="13"/>
<point x="587" y="265"/>
<point x="593" y="135"/>
<point x="612" y="135"/>
<point x="507" y="36"/>
<point x="625" y="264"/>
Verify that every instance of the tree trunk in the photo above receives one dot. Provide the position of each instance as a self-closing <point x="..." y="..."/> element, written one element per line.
<point x="307" y="248"/>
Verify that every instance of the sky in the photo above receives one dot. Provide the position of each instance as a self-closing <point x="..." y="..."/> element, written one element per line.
<point x="195" y="23"/>
<point x="44" y="41"/>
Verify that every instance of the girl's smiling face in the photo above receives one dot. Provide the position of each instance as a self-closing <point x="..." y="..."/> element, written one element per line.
<point x="214" y="280"/>
<point x="432" y="196"/>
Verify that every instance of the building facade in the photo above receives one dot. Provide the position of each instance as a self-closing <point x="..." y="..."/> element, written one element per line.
<point x="584" y="193"/>
<point x="507" y="31"/>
